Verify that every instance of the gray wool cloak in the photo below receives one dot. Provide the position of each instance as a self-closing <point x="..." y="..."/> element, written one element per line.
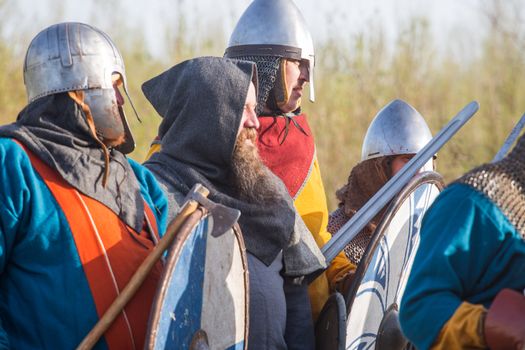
<point x="55" y="129"/>
<point x="201" y="102"/>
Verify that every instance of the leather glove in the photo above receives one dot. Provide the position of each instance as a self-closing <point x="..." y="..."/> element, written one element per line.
<point x="505" y="322"/>
<point x="343" y="284"/>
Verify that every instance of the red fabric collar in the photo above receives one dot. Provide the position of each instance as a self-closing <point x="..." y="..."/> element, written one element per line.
<point x="289" y="155"/>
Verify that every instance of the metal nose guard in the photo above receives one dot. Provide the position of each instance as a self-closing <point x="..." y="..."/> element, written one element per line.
<point x="223" y="217"/>
<point x="129" y="144"/>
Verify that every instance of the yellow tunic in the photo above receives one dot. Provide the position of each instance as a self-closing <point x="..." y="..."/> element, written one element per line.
<point x="311" y="205"/>
<point x="464" y="330"/>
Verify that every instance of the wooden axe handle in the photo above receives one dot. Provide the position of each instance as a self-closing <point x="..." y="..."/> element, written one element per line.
<point x="142" y="272"/>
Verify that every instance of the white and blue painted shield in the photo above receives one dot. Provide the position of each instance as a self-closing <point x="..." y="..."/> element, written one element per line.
<point x="373" y="299"/>
<point x="202" y="300"/>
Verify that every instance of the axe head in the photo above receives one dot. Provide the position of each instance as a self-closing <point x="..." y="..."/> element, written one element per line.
<point x="223" y="217"/>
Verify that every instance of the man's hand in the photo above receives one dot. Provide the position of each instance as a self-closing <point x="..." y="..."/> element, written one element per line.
<point x="343" y="283"/>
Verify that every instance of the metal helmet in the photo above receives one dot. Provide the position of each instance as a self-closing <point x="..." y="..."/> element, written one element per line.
<point x="273" y="28"/>
<point x="75" y="56"/>
<point x="397" y="129"/>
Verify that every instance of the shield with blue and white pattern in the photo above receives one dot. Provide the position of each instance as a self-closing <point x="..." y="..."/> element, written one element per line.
<point x="373" y="299"/>
<point x="202" y="301"/>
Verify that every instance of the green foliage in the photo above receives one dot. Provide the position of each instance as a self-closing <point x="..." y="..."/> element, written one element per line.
<point x="12" y="92"/>
<point x="354" y="80"/>
<point x="353" y="85"/>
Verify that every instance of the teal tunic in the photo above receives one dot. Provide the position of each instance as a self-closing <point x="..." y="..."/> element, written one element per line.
<point x="469" y="251"/>
<point x="45" y="299"/>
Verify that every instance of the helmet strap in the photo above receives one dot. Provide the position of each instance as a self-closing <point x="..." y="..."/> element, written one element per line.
<point x="132" y="105"/>
<point x="280" y="90"/>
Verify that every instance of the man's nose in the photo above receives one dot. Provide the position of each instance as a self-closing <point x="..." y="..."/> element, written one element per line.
<point x="120" y="99"/>
<point x="252" y="121"/>
<point x="304" y="72"/>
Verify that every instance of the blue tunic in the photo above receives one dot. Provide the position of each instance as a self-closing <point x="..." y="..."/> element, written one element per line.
<point x="45" y="300"/>
<point x="469" y="251"/>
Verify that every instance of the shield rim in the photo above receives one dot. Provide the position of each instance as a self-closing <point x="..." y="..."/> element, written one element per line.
<point x="338" y="300"/>
<point x="174" y="254"/>
<point x="242" y="247"/>
<point x="173" y="257"/>
<point x="426" y="177"/>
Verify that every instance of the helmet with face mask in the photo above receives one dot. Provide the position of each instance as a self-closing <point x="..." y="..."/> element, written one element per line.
<point x="77" y="57"/>
<point x="397" y="129"/>
<point x="268" y="33"/>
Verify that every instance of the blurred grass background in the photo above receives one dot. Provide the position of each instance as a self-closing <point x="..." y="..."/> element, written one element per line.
<point x="353" y="82"/>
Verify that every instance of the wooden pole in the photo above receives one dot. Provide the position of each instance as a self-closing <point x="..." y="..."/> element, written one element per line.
<point x="142" y="272"/>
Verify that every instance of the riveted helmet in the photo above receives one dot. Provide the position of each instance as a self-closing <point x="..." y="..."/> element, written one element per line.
<point x="75" y="56"/>
<point x="273" y="28"/>
<point x="397" y="129"/>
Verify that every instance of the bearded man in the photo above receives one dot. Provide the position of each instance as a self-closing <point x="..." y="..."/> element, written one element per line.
<point x="77" y="218"/>
<point x="208" y="136"/>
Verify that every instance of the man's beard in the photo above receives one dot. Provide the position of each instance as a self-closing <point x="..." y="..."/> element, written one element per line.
<point x="253" y="180"/>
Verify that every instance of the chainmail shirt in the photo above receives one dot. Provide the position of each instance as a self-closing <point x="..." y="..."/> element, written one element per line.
<point x="356" y="248"/>
<point x="503" y="183"/>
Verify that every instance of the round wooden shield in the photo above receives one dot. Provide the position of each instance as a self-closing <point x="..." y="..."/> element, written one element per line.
<point x="202" y="300"/>
<point x="373" y="299"/>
